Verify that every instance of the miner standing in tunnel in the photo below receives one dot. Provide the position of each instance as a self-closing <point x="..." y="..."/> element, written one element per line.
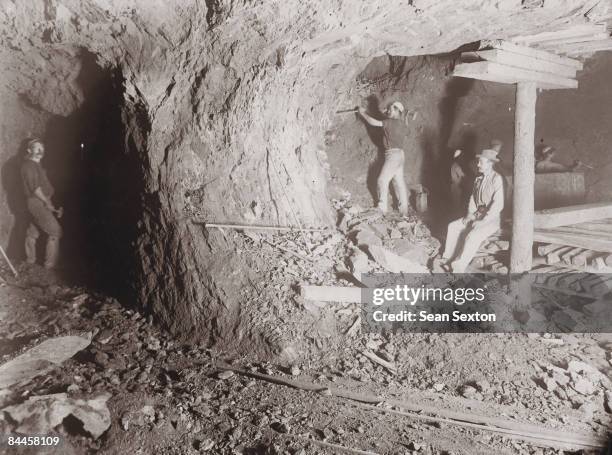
<point x="38" y="191"/>
<point x="394" y="131"/>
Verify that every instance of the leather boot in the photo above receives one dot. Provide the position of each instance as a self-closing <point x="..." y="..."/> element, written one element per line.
<point x="30" y="249"/>
<point x="52" y="252"/>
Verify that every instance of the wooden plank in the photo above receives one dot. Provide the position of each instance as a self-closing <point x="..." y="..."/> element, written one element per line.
<point x="555" y="256"/>
<point x="544" y="269"/>
<point x="572" y="214"/>
<point x="254" y="227"/>
<point x="521" y="253"/>
<point x="531" y="52"/>
<point x="544" y="250"/>
<point x="544" y="235"/>
<point x="520" y="61"/>
<point x="496" y="72"/>
<point x="583" y="258"/>
<point x="537" y="434"/>
<point x="604" y="225"/>
<point x="585" y="48"/>
<point x="570" y="230"/>
<point x="598" y="263"/>
<point x="331" y="293"/>
<point x="575" y="32"/>
<point x="552" y="45"/>
<point x="578" y="230"/>
<point x="568" y="255"/>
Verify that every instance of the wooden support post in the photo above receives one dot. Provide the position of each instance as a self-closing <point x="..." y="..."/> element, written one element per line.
<point x="524" y="178"/>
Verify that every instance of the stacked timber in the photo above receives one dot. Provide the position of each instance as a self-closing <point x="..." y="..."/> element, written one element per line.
<point x="571" y="282"/>
<point x="492" y="256"/>
<point x="577" y="40"/>
<point x="508" y="63"/>
<point x="579" y="236"/>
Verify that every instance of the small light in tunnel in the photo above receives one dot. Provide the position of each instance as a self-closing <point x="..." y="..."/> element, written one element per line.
<point x="82" y="145"/>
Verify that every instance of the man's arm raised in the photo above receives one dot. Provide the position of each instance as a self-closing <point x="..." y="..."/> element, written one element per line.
<point x="370" y="120"/>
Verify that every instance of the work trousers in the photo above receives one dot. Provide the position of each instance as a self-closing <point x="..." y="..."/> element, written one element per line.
<point x="472" y="239"/>
<point x="42" y="219"/>
<point x="393" y="171"/>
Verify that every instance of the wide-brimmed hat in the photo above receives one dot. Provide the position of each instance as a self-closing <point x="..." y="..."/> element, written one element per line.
<point x="489" y="154"/>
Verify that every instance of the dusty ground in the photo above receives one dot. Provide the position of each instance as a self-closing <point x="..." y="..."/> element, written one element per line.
<point x="169" y="398"/>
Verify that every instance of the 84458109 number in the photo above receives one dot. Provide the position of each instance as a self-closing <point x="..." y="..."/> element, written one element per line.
<point x="19" y="440"/>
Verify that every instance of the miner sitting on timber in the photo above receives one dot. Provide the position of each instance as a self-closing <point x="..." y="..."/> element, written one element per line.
<point x="394" y="132"/>
<point x="482" y="219"/>
<point x="39" y="191"/>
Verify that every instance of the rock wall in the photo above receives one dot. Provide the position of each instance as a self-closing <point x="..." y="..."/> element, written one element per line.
<point x="222" y="106"/>
<point x="429" y="93"/>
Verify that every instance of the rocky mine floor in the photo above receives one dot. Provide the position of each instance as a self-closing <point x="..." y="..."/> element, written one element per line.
<point x="165" y="397"/>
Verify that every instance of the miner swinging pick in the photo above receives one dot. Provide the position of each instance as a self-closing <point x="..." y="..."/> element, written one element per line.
<point x="483" y="216"/>
<point x="393" y="168"/>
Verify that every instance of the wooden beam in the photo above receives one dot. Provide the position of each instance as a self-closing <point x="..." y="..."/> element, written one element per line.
<point x="555" y="256"/>
<point x="331" y="293"/>
<point x="573" y="240"/>
<point x="531" y="52"/>
<point x="576" y="32"/>
<point x="520" y="61"/>
<point x="543" y="250"/>
<point x="568" y="256"/>
<point x="572" y="214"/>
<point x="496" y="72"/>
<point x="581" y="259"/>
<point x="598" y="263"/>
<point x="552" y="45"/>
<point x="536" y="434"/>
<point x="585" y="48"/>
<point x="524" y="178"/>
<point x="254" y="227"/>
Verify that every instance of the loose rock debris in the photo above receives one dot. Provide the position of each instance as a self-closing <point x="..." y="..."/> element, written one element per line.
<point x="41" y="359"/>
<point x="41" y="414"/>
<point x="165" y="396"/>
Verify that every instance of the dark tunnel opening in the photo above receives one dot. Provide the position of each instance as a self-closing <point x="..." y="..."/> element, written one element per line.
<point x="91" y="163"/>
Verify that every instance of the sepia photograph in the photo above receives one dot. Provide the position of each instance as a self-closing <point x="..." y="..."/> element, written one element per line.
<point x="282" y="227"/>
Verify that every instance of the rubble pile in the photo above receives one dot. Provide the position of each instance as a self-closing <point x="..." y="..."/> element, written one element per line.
<point x="166" y="397"/>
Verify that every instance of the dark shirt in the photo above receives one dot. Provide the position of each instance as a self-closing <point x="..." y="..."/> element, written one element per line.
<point x="34" y="176"/>
<point x="394" y="132"/>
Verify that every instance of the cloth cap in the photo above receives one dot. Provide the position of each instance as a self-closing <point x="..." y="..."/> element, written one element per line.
<point x="399" y="106"/>
<point x="31" y="143"/>
<point x="489" y="154"/>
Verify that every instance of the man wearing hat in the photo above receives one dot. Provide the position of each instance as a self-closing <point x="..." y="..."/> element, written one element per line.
<point x="483" y="216"/>
<point x="394" y="132"/>
<point x="544" y="162"/>
<point x="39" y="191"/>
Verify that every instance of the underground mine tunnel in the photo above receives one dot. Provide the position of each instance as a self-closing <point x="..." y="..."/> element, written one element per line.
<point x="218" y="166"/>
